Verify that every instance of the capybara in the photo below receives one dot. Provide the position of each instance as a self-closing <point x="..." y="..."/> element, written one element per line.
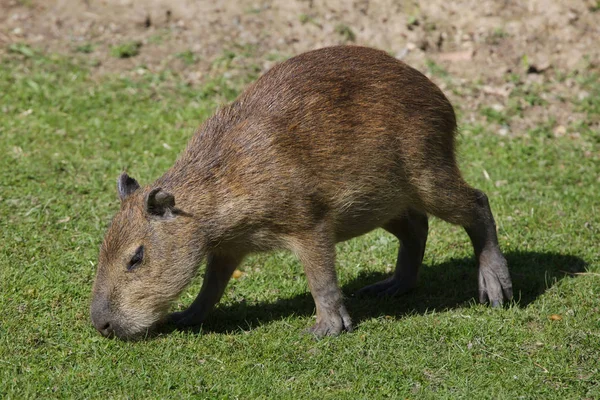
<point x="324" y="147"/>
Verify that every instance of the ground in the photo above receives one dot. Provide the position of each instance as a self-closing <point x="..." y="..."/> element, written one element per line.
<point x="492" y="50"/>
<point x="89" y="88"/>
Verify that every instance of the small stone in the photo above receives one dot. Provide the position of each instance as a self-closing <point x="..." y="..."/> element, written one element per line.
<point x="402" y="53"/>
<point x="560" y="131"/>
<point x="583" y="95"/>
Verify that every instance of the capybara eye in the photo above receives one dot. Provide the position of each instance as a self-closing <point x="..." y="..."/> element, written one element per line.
<point x="136" y="259"/>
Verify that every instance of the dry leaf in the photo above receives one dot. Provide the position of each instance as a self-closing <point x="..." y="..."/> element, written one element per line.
<point x="555" y="317"/>
<point x="237" y="274"/>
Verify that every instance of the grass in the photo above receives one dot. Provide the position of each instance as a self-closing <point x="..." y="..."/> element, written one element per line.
<point x="345" y="32"/>
<point x="126" y="49"/>
<point x="64" y="139"/>
<point x="436" y="69"/>
<point x="85" y="48"/>
<point x="188" y="57"/>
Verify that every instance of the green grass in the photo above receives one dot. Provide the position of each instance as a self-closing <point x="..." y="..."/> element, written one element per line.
<point x="188" y="57"/>
<point x="65" y="137"/>
<point x="85" y="48"/>
<point x="126" y="49"/>
<point x="345" y="32"/>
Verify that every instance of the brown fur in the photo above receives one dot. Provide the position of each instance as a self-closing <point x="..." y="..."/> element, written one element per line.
<point x="324" y="147"/>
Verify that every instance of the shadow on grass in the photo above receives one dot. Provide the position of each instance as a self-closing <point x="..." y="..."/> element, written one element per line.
<point x="444" y="286"/>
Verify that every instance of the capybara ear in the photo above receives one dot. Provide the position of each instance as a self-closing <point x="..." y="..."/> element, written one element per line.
<point x="126" y="185"/>
<point x="160" y="203"/>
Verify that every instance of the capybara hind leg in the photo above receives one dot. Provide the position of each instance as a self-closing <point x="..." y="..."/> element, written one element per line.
<point x="494" y="279"/>
<point x="470" y="208"/>
<point x="411" y="230"/>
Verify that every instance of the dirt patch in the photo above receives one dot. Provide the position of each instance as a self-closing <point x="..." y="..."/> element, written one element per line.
<point x="483" y="53"/>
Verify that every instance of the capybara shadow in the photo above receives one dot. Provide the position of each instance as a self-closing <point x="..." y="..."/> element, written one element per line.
<point x="445" y="286"/>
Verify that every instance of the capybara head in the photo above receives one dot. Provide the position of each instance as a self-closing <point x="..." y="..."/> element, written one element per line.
<point x="147" y="258"/>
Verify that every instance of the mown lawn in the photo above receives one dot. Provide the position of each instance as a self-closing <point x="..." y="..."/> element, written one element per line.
<point x="65" y="137"/>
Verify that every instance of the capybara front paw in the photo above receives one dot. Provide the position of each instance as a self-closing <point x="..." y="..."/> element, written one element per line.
<point x="332" y="325"/>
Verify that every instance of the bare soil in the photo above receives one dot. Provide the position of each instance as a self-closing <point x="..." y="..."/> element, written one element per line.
<point x="485" y="54"/>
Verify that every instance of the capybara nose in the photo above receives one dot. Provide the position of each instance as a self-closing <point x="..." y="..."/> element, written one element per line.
<point x="106" y="330"/>
<point x="102" y="324"/>
<point x="101" y="317"/>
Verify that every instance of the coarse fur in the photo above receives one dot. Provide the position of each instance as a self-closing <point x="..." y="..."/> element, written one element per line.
<point x="324" y="147"/>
